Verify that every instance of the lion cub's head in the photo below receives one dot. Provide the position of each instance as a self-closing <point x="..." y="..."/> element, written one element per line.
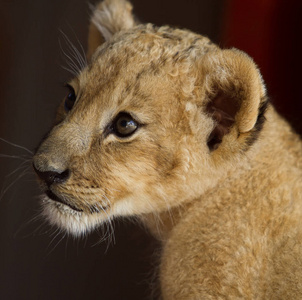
<point x="154" y="120"/>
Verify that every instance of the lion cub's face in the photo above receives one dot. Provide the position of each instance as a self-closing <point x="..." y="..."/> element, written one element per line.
<point x="142" y="128"/>
<point x="123" y="144"/>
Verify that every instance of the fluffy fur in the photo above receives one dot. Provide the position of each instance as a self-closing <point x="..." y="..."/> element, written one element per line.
<point x="212" y="170"/>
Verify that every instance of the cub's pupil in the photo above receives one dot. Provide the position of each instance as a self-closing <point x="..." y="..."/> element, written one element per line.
<point x="71" y="96"/>
<point x="124" y="123"/>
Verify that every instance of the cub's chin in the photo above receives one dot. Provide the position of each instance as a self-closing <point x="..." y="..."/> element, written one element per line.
<point x="70" y="219"/>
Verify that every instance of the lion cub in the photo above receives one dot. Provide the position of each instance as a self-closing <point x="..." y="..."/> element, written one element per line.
<point x="164" y="125"/>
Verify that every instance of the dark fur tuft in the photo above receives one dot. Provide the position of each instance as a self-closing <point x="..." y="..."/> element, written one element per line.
<point x="259" y="124"/>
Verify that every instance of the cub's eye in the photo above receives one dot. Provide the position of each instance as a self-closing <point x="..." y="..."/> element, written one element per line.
<point x="70" y="99"/>
<point x="124" y="125"/>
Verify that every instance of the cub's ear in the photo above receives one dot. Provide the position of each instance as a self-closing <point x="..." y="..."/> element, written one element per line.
<point x="235" y="98"/>
<point x="108" y="18"/>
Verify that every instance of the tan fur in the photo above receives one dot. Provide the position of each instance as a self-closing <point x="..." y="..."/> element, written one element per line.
<point x="227" y="209"/>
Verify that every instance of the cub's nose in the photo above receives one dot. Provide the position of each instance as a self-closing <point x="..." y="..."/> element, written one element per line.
<point x="50" y="177"/>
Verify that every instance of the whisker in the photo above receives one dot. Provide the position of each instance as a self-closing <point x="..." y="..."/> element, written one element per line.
<point x="108" y="226"/>
<point x="104" y="236"/>
<point x="36" y="217"/>
<point x="55" y="232"/>
<point x="60" y="240"/>
<point x="19" y="168"/>
<point x="101" y="235"/>
<point x="4" y="190"/>
<point x="13" y="156"/>
<point x="83" y="54"/>
<point x="17" y="146"/>
<point x="73" y="67"/>
<point x="75" y="59"/>
<point x="86" y="239"/>
<point x="110" y="223"/>
<point x="70" y="71"/>
<point x="66" y="246"/>
<point x="75" y="52"/>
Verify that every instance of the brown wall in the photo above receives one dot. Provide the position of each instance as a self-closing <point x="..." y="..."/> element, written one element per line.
<point x="35" y="262"/>
<point x="270" y="32"/>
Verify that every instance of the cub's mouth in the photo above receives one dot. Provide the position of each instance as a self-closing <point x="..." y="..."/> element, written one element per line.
<point x="54" y="197"/>
<point x="76" y="221"/>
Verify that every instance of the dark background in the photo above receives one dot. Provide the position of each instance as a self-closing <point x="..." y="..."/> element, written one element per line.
<point x="36" y="261"/>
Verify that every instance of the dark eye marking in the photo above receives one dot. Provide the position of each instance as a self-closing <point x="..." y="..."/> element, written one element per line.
<point x="123" y="125"/>
<point x="70" y="98"/>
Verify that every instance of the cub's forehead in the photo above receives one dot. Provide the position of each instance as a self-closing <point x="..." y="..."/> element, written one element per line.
<point x="144" y="38"/>
<point x="147" y="46"/>
<point x="136" y="66"/>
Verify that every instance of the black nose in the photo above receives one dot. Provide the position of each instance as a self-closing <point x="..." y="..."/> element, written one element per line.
<point x="51" y="177"/>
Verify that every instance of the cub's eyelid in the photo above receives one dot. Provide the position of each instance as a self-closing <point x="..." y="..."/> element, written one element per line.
<point x="135" y="118"/>
<point x="69" y="87"/>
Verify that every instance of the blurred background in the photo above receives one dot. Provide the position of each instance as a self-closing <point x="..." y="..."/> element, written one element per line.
<point x="36" y="261"/>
